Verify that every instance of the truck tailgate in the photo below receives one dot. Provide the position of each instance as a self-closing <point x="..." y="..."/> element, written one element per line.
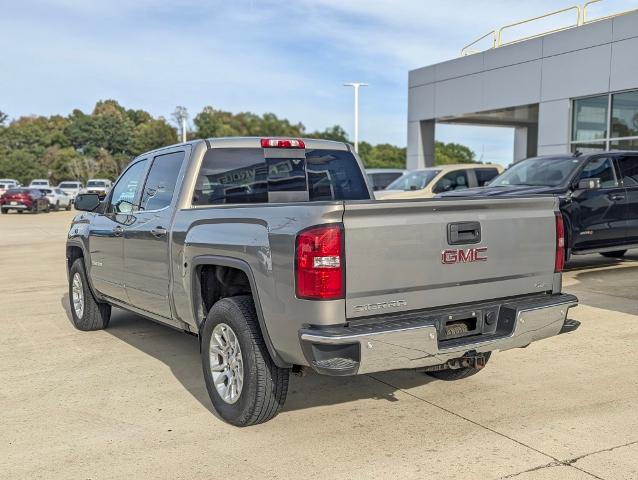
<point x="412" y="255"/>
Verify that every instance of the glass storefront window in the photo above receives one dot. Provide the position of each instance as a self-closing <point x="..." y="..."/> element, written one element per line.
<point x="624" y="144"/>
<point x="624" y="116"/>
<point x="590" y="119"/>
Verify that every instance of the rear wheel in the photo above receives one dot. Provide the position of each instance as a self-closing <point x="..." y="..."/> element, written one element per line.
<point x="68" y="206"/>
<point x="5" y="210"/>
<point x="614" y="254"/>
<point x="87" y="313"/>
<point x="244" y="384"/>
<point x="458" y="373"/>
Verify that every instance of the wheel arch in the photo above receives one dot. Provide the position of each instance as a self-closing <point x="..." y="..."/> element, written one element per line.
<point x="197" y="303"/>
<point x="75" y="250"/>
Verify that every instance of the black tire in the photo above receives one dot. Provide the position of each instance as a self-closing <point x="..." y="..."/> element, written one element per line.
<point x="5" y="211"/>
<point x="20" y="211"/>
<point x="57" y="206"/>
<point x="68" y="206"/>
<point x="264" y="384"/>
<point x="459" y="373"/>
<point x="95" y="315"/>
<point x="614" y="254"/>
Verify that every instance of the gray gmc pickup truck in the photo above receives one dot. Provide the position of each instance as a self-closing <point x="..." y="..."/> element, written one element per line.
<point x="274" y="254"/>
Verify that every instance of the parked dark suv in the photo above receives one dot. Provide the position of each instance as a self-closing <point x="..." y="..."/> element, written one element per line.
<point x="598" y="193"/>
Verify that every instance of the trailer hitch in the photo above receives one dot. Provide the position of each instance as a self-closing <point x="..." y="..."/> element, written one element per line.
<point x="470" y="359"/>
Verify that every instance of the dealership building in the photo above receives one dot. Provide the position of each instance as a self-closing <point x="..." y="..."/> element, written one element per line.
<point x="574" y="89"/>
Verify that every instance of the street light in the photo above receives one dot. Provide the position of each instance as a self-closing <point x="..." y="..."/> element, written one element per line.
<point x="356" y="111"/>
<point x="180" y="115"/>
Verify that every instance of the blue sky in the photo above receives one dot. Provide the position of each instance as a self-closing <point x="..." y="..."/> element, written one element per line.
<point x="287" y="57"/>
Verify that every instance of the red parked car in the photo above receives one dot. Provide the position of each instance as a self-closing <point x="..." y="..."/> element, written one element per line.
<point x="21" y="199"/>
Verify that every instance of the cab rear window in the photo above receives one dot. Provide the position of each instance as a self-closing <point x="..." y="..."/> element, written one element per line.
<point x="244" y="175"/>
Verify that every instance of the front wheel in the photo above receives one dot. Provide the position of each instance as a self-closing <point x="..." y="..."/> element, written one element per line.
<point x="87" y="313"/>
<point x="244" y="384"/>
<point x="614" y="254"/>
<point x="458" y="373"/>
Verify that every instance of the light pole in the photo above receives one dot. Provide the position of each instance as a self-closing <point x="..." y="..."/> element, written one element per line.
<point x="181" y="114"/>
<point x="356" y="111"/>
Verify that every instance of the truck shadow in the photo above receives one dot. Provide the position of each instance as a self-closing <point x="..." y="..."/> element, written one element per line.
<point x="610" y="284"/>
<point x="180" y="352"/>
<point x="586" y="262"/>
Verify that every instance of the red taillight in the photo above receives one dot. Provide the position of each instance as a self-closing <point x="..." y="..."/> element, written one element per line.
<point x="319" y="263"/>
<point x="560" y="244"/>
<point x="282" y="143"/>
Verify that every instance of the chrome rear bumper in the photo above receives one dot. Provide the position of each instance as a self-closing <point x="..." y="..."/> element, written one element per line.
<point x="414" y="343"/>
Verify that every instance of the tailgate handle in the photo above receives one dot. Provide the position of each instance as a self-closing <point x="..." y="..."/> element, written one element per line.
<point x="463" y="232"/>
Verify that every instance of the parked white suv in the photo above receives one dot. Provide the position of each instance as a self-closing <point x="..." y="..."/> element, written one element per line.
<point x="101" y="186"/>
<point x="71" y="188"/>
<point x="39" y="182"/>
<point x="10" y="182"/>
<point x="57" y="198"/>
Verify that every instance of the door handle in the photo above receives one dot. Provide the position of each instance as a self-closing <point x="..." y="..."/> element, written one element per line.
<point x="118" y="231"/>
<point x="616" y="197"/>
<point x="158" y="231"/>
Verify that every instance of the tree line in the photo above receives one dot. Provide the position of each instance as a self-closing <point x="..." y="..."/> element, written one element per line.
<point x="100" y="144"/>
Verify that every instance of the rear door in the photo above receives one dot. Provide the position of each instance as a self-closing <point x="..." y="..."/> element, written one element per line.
<point x="628" y="167"/>
<point x="146" y="239"/>
<point x="445" y="252"/>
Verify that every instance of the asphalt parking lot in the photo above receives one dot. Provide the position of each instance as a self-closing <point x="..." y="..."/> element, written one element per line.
<point x="130" y="401"/>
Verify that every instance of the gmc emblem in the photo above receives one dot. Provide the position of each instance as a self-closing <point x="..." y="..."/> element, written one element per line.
<point x="460" y="255"/>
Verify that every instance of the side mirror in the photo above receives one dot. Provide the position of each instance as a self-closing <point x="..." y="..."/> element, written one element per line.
<point x="87" y="202"/>
<point x="589" y="184"/>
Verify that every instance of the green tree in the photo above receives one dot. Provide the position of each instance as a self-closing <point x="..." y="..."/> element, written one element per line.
<point x="103" y="142"/>
<point x="108" y="128"/>
<point x="335" y="133"/>
<point x="448" y="153"/>
<point x="22" y="165"/>
<point x="152" y="134"/>
<point x="218" y="123"/>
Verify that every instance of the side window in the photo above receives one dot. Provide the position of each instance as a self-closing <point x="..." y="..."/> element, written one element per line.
<point x="334" y="175"/>
<point x="232" y="175"/>
<point x="485" y="175"/>
<point x="456" y="180"/>
<point x="629" y="171"/>
<point x="602" y="168"/>
<point x="160" y="182"/>
<point x="125" y="190"/>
